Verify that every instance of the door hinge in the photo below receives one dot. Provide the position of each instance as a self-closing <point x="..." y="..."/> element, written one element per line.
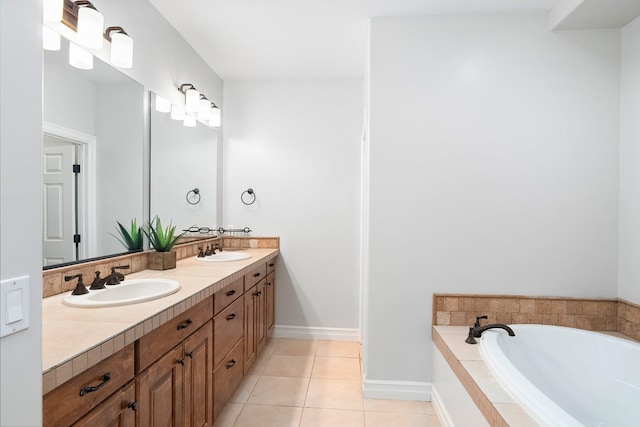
<point x="76" y="238"/>
<point x="76" y="168"/>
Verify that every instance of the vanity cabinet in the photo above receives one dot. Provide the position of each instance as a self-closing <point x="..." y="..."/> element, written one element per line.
<point x="178" y="385"/>
<point x="116" y="411"/>
<point x="182" y="373"/>
<point x="67" y="403"/>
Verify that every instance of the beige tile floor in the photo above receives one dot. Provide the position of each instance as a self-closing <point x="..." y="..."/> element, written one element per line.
<point x="303" y="383"/>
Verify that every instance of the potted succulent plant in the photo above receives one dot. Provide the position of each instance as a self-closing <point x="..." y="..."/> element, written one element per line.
<point x="162" y="240"/>
<point x="131" y="239"/>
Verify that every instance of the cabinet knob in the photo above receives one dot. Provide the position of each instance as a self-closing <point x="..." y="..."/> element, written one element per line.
<point x="231" y="316"/>
<point x="90" y="389"/>
<point x="190" y="354"/>
<point x="231" y="363"/>
<point x="271" y="264"/>
<point x="256" y="275"/>
<point x="181" y="361"/>
<point x="133" y="405"/>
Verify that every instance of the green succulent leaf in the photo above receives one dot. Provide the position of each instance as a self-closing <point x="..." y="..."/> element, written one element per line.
<point x="130" y="239"/>
<point x="161" y="239"/>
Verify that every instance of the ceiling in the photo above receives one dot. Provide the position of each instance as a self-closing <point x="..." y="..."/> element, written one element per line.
<point x="305" y="39"/>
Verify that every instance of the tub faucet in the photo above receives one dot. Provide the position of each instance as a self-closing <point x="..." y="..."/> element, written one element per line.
<point x="476" y="330"/>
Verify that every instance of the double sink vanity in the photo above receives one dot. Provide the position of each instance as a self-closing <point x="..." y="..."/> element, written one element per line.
<point x="173" y="360"/>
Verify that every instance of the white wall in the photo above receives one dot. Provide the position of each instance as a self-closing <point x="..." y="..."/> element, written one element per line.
<point x="494" y="160"/>
<point x="297" y="144"/>
<point x="629" y="273"/>
<point x="21" y="203"/>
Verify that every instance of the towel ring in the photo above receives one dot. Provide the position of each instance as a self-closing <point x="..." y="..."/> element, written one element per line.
<point x="251" y="196"/>
<point x="195" y="199"/>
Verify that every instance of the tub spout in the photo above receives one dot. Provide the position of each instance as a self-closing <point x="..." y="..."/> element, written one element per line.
<point x="476" y="330"/>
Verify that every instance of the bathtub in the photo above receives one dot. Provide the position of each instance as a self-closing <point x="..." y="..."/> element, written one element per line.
<point x="567" y="377"/>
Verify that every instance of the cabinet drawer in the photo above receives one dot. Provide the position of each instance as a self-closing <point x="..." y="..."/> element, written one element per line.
<point x="118" y="410"/>
<point x="227" y="295"/>
<point x="271" y="265"/>
<point x="254" y="276"/>
<point x="76" y="397"/>
<point x="226" y="378"/>
<point x="228" y="327"/>
<point x="150" y="347"/>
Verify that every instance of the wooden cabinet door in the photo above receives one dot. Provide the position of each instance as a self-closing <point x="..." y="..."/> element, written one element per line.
<point x="117" y="411"/>
<point x="159" y="391"/>
<point x="261" y="316"/>
<point x="271" y="302"/>
<point x="250" y="307"/>
<point x="198" y="378"/>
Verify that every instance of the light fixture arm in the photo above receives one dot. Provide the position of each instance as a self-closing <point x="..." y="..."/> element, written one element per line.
<point x="109" y="30"/>
<point x="186" y="86"/>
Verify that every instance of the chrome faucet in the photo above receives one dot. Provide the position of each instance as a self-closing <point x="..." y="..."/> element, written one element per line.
<point x="476" y="330"/>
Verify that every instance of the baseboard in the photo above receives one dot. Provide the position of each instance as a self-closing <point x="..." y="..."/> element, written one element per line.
<point x="397" y="390"/>
<point x="440" y="409"/>
<point x="314" y="333"/>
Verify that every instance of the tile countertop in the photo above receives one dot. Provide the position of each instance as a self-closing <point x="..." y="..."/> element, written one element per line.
<point x="68" y="332"/>
<point x="496" y="404"/>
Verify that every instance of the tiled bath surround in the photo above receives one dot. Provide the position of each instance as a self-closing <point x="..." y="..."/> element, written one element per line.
<point x="590" y="314"/>
<point x="53" y="283"/>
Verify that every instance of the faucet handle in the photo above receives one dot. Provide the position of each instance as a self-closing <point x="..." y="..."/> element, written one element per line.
<point x="80" y="288"/>
<point x="477" y="324"/>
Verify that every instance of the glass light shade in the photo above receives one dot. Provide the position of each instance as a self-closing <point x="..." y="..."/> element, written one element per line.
<point x="90" y="27"/>
<point x="189" y="121"/>
<point x="50" y="39"/>
<point x="80" y="58"/>
<point x="52" y="10"/>
<point x="215" y="119"/>
<point x="177" y="113"/>
<point x="192" y="99"/>
<point x="162" y="105"/>
<point x="204" y="113"/>
<point x="121" y="50"/>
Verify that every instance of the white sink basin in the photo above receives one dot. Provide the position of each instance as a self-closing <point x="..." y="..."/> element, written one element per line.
<point x="127" y="292"/>
<point x="225" y="256"/>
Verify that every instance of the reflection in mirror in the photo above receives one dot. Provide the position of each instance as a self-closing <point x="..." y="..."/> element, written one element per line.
<point x="183" y="173"/>
<point x="94" y="119"/>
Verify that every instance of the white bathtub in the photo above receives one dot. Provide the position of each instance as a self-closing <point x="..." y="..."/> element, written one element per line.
<point x="567" y="377"/>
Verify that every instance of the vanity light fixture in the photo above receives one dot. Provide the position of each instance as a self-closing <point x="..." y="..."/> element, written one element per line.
<point x="204" y="112"/>
<point x="90" y="24"/>
<point x="191" y="97"/>
<point x="50" y="39"/>
<point x="80" y="58"/>
<point x="189" y="121"/>
<point x="162" y="105"/>
<point x="177" y="113"/>
<point x="52" y="10"/>
<point x="215" y="119"/>
<point x="121" y="47"/>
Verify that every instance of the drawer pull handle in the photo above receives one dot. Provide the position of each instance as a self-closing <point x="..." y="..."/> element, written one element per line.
<point x="90" y="389"/>
<point x="271" y="264"/>
<point x="184" y="325"/>
<point x="231" y="316"/>
<point x="190" y="355"/>
<point x="232" y="292"/>
<point x="133" y="405"/>
<point x="231" y="363"/>
<point x="256" y="275"/>
<point x="181" y="361"/>
<point x="258" y="293"/>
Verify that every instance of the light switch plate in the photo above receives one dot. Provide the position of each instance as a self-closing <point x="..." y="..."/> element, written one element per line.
<point x="14" y="305"/>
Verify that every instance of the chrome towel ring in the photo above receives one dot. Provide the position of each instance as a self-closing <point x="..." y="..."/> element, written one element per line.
<point x="250" y="197"/>
<point x="193" y="196"/>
